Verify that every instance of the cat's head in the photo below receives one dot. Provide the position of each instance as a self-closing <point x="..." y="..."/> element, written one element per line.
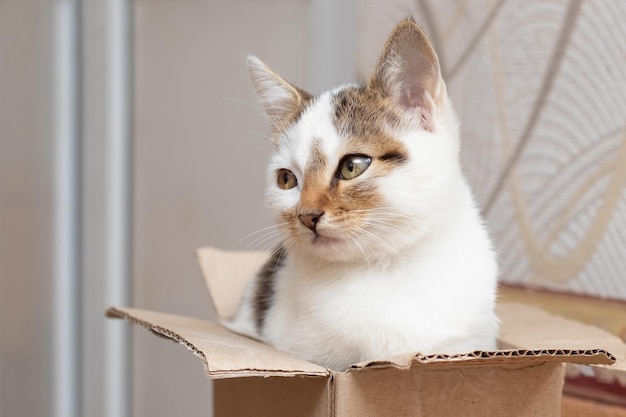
<point x="363" y="171"/>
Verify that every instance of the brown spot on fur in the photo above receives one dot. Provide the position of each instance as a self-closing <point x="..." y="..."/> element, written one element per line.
<point x="264" y="294"/>
<point x="359" y="195"/>
<point x="364" y="117"/>
<point x="364" y="112"/>
<point x="313" y="191"/>
<point x="317" y="162"/>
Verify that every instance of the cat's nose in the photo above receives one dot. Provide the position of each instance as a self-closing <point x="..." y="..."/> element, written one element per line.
<point x="310" y="219"/>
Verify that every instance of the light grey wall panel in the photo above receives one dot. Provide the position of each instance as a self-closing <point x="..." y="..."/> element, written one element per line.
<point x="26" y="218"/>
<point x="200" y="158"/>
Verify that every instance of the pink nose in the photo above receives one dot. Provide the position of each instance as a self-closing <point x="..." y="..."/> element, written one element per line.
<point x="310" y="219"/>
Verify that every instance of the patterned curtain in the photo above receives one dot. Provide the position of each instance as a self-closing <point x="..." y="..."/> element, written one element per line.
<point x="540" y="89"/>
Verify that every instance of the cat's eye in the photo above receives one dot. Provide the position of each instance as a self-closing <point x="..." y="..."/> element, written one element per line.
<point x="352" y="166"/>
<point x="286" y="179"/>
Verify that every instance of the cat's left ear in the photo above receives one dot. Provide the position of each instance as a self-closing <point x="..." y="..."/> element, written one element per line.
<point x="281" y="100"/>
<point x="408" y="72"/>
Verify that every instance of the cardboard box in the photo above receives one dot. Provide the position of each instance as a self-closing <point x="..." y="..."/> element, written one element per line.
<point x="254" y="379"/>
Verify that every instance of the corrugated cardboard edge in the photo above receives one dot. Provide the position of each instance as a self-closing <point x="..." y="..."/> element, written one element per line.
<point x="512" y="357"/>
<point x="115" y="313"/>
<point x="133" y="317"/>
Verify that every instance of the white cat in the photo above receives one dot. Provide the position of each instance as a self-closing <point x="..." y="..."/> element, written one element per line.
<point x="384" y="251"/>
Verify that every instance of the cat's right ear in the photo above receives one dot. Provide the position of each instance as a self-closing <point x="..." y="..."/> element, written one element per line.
<point x="281" y="101"/>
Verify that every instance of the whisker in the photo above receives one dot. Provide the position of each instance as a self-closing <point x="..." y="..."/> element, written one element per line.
<point x="353" y="239"/>
<point x="275" y="226"/>
<point x="265" y="238"/>
<point x="374" y="237"/>
<point x="247" y="103"/>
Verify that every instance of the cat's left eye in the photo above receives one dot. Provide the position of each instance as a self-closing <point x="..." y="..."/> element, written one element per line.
<point x="352" y="166"/>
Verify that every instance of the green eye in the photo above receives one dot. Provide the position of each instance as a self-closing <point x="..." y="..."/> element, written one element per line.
<point x="286" y="179"/>
<point x="352" y="166"/>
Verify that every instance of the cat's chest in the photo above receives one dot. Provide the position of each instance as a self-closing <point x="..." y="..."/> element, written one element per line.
<point x="363" y="296"/>
<point x="375" y="312"/>
<point x="364" y="313"/>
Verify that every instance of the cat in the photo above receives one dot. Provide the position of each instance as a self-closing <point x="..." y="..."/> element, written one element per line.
<point x="384" y="251"/>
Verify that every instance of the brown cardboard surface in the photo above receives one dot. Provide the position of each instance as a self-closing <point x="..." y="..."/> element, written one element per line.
<point x="226" y="274"/>
<point x="225" y="354"/>
<point x="273" y="397"/>
<point x="531" y="328"/>
<point x="475" y="391"/>
<point x="607" y="314"/>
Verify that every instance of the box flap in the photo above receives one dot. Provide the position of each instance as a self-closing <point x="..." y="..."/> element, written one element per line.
<point x="225" y="354"/>
<point x="226" y="274"/>
<point x="528" y="327"/>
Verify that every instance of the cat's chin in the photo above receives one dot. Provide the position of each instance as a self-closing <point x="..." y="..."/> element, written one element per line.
<point x="333" y="249"/>
<point x="328" y="241"/>
<point x="327" y="248"/>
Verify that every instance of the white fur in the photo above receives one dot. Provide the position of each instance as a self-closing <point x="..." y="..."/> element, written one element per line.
<point x="420" y="277"/>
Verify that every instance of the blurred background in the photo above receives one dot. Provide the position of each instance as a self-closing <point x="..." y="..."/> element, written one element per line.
<point x="129" y="136"/>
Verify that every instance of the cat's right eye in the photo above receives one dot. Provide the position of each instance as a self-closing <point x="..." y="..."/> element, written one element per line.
<point x="286" y="179"/>
<point x="351" y="166"/>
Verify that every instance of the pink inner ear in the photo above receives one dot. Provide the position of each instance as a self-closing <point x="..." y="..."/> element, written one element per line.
<point x="416" y="100"/>
<point x="412" y="97"/>
<point x="410" y="73"/>
<point x="416" y="82"/>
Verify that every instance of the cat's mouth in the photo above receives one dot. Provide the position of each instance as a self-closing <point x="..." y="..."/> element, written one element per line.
<point x="327" y="240"/>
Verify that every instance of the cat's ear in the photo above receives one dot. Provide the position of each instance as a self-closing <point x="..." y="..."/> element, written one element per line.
<point x="408" y="72"/>
<point x="281" y="100"/>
